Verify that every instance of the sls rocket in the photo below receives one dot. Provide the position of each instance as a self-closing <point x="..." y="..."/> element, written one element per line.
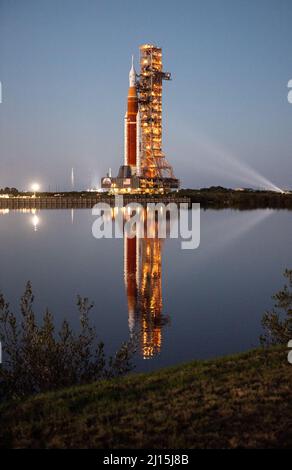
<point x="132" y="127"/>
<point x="144" y="168"/>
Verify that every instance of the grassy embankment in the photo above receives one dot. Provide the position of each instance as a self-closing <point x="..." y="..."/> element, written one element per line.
<point x="237" y="401"/>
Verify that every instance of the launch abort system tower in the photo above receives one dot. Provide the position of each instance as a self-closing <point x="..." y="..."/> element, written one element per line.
<point x="145" y="168"/>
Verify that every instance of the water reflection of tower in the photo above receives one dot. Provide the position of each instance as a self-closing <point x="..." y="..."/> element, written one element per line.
<point x="143" y="280"/>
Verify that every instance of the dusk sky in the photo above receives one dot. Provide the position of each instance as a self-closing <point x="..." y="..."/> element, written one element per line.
<point x="64" y="68"/>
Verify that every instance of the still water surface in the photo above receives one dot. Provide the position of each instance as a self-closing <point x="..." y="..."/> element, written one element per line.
<point x="183" y="304"/>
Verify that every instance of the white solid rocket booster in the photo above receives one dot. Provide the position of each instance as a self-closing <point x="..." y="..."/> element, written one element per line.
<point x="138" y="144"/>
<point x="126" y="139"/>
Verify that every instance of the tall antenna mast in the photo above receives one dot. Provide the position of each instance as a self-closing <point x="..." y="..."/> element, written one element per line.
<point x="72" y="179"/>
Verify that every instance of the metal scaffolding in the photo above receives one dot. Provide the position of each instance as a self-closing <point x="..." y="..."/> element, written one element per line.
<point x="153" y="162"/>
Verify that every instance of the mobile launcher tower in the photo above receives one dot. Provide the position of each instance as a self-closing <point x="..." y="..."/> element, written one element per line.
<point x="145" y="168"/>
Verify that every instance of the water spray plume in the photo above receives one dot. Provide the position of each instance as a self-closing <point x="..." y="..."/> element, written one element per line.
<point x="221" y="161"/>
<point x="243" y="171"/>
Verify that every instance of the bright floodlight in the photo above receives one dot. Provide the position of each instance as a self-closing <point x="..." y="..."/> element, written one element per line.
<point x="35" y="187"/>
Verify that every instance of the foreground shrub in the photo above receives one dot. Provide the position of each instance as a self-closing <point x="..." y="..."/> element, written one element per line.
<point x="38" y="359"/>
<point x="278" y="323"/>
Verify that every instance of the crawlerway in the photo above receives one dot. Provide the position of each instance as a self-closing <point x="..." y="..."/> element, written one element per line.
<point x="111" y="460"/>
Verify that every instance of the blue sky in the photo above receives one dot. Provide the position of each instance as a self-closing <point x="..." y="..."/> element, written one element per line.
<point x="64" y="70"/>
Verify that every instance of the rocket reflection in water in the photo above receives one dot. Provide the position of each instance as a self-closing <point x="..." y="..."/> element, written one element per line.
<point x="143" y="282"/>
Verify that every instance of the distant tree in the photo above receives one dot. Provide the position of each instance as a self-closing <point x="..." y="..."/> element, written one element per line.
<point x="278" y="323"/>
<point x="8" y="190"/>
<point x="38" y="359"/>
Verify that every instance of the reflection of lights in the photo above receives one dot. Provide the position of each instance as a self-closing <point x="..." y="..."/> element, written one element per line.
<point x="4" y="211"/>
<point x="35" y="222"/>
<point x="25" y="211"/>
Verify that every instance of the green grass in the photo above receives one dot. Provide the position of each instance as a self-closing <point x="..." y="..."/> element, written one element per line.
<point x="238" y="401"/>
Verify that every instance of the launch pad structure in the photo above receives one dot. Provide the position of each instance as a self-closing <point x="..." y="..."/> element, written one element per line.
<point x="145" y="168"/>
